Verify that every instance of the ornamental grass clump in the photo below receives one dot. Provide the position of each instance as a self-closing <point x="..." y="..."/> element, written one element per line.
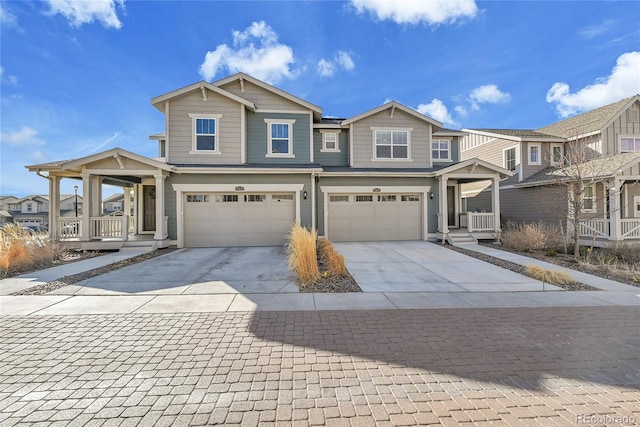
<point x="302" y="251"/>
<point x="20" y="250"/>
<point x="333" y="260"/>
<point x="553" y="277"/>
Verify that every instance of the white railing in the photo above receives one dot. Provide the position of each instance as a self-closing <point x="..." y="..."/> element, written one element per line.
<point x="132" y="225"/>
<point x="480" y="221"/>
<point x="115" y="227"/>
<point x="69" y="228"/>
<point x="463" y="220"/>
<point x="630" y="228"/>
<point x="594" y="228"/>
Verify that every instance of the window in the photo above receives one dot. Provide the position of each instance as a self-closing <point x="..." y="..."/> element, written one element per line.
<point x="410" y="198"/>
<point x="440" y="150"/>
<point x="197" y="198"/>
<point x="226" y="198"/>
<point x="629" y="144"/>
<point x="391" y="144"/>
<point x="387" y="198"/>
<point x="330" y="141"/>
<point x="557" y="154"/>
<point x="589" y="199"/>
<point x="281" y="197"/>
<point x="510" y="159"/>
<point x="29" y="207"/>
<point x="339" y="198"/>
<point x="364" y="198"/>
<point x="280" y="138"/>
<point x="534" y="154"/>
<point x="255" y="198"/>
<point x="205" y="133"/>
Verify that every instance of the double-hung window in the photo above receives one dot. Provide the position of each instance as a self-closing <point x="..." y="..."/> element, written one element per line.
<point x="330" y="141"/>
<point x="206" y="133"/>
<point x="510" y="159"/>
<point x="589" y="199"/>
<point x="629" y="144"/>
<point x="557" y="154"/>
<point x="392" y="144"/>
<point x="440" y="150"/>
<point x="279" y="138"/>
<point x="534" y="154"/>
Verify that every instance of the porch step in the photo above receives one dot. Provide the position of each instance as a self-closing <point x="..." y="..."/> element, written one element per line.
<point x="138" y="244"/>
<point x="461" y="238"/>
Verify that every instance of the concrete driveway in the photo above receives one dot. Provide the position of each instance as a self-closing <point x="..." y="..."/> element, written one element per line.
<point x="197" y="271"/>
<point x="427" y="267"/>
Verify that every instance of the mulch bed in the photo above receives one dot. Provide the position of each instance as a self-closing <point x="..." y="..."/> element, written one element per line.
<point x="517" y="268"/>
<point x="331" y="284"/>
<point x="68" y="280"/>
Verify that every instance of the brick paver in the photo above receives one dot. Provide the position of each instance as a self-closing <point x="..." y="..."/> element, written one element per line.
<point x="524" y="366"/>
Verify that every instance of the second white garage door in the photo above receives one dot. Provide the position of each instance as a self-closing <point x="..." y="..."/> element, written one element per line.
<point x="219" y="219"/>
<point x="373" y="217"/>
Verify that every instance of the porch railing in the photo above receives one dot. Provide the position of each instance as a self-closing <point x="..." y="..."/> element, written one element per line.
<point x="116" y="227"/>
<point x="630" y="228"/>
<point x="594" y="228"/>
<point x="480" y="221"/>
<point x="69" y="228"/>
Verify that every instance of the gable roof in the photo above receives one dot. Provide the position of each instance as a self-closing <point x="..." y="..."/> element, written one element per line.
<point x="520" y="135"/>
<point x="392" y="105"/>
<point x="473" y="163"/>
<point x="590" y="122"/>
<point x="158" y="101"/>
<point x="266" y="86"/>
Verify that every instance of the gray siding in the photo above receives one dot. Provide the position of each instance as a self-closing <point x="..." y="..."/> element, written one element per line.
<point x="632" y="190"/>
<point x="363" y="140"/>
<point x="170" y="194"/>
<point x="546" y="204"/>
<point x="181" y="128"/>
<point x="340" y="158"/>
<point x="262" y="98"/>
<point x="257" y="138"/>
<point x="620" y="126"/>
<point x="492" y="152"/>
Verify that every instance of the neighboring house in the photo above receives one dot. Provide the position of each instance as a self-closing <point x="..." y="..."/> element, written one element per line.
<point x="115" y="204"/>
<point x="33" y="211"/>
<point x="240" y="161"/>
<point x="604" y="144"/>
<point x="5" y="215"/>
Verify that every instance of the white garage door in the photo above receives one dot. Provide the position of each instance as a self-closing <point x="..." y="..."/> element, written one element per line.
<point x="373" y="217"/>
<point x="219" y="219"/>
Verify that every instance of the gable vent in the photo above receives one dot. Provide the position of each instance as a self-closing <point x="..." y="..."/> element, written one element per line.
<point x="633" y="115"/>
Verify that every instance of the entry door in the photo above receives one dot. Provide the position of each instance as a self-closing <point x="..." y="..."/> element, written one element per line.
<point x="636" y="206"/>
<point x="451" y="206"/>
<point x="149" y="207"/>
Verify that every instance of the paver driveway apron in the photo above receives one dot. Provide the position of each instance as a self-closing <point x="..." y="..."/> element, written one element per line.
<point x="426" y="267"/>
<point x="197" y="271"/>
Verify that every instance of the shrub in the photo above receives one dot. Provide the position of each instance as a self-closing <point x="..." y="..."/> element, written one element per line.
<point x="549" y="276"/>
<point x="20" y="250"/>
<point x="531" y="237"/>
<point x="303" y="260"/>
<point x="335" y="261"/>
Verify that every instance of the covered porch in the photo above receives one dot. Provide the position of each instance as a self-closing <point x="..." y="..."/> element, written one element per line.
<point x="143" y="221"/>
<point x="456" y="224"/>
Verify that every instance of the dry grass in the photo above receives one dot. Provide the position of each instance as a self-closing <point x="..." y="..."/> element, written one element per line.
<point x="21" y="250"/>
<point x="335" y="261"/>
<point x="302" y="250"/>
<point x="549" y="276"/>
<point x="530" y="237"/>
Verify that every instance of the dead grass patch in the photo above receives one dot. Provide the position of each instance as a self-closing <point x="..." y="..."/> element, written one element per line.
<point x="553" y="277"/>
<point x="334" y="260"/>
<point x="302" y="251"/>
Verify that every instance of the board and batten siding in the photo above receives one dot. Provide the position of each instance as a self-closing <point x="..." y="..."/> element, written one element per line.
<point x="331" y="158"/>
<point x="364" y="145"/>
<point x="263" y="99"/>
<point x="181" y="129"/>
<point x="621" y="126"/>
<point x="492" y="152"/>
<point x="631" y="191"/>
<point x="257" y="138"/>
<point x="244" y="179"/>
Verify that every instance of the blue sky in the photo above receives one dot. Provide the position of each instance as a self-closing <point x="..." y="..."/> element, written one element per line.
<point x="77" y="76"/>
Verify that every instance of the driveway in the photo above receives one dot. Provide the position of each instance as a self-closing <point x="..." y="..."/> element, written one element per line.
<point x="427" y="267"/>
<point x="196" y="271"/>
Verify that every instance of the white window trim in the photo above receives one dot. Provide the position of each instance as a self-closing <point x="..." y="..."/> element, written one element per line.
<point x="324" y="133"/>
<point x="289" y="122"/>
<point x="392" y="159"/>
<point x="504" y="157"/>
<point x="194" y="139"/>
<point x="551" y="155"/>
<point x="620" y="137"/>
<point x="448" y="141"/>
<point x="593" y="200"/>
<point x="529" y="147"/>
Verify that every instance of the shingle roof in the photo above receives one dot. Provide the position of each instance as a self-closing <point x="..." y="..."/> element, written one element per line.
<point x="591" y="121"/>
<point x="520" y="133"/>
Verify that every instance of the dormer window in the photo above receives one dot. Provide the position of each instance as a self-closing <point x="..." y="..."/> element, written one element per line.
<point x="206" y="133"/>
<point x="279" y="138"/>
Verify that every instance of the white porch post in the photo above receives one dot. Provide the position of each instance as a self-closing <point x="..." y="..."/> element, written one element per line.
<point x="85" y="230"/>
<point x="54" y="205"/>
<point x="495" y="198"/>
<point x="96" y="196"/>
<point x="160" y="231"/>
<point x="444" y="211"/>
<point x="614" y="211"/>
<point x="127" y="206"/>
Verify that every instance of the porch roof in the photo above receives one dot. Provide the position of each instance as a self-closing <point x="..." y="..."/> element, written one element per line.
<point x="471" y="164"/>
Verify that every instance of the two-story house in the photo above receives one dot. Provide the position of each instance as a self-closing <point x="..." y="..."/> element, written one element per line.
<point x="239" y="161"/>
<point x="601" y="146"/>
<point x="33" y="211"/>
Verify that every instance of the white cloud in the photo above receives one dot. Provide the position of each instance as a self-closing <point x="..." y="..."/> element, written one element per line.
<point x="7" y="19"/>
<point x="596" y="30"/>
<point x="437" y="110"/>
<point x="328" y="67"/>
<point x="21" y="138"/>
<point x="80" y="12"/>
<point x="487" y="94"/>
<point x="461" y="110"/>
<point x="255" y="51"/>
<point x="417" y="11"/>
<point x="621" y="83"/>
<point x="6" y="78"/>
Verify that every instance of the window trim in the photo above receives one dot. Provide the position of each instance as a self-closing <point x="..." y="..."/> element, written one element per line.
<point x="194" y="135"/>
<point x="593" y="199"/>
<point x="531" y="145"/>
<point x="515" y="158"/>
<point x="621" y="137"/>
<point x="324" y="133"/>
<point x="391" y="159"/>
<point x="551" y="162"/>
<point x="288" y="122"/>
<point x="448" y="141"/>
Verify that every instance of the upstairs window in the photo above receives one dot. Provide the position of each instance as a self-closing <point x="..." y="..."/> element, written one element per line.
<point x="534" y="154"/>
<point x="589" y="199"/>
<point x="629" y="144"/>
<point x="557" y="154"/>
<point x="206" y="133"/>
<point x="510" y="159"/>
<point x="330" y="141"/>
<point x="280" y="138"/>
<point x="391" y="144"/>
<point x="440" y="150"/>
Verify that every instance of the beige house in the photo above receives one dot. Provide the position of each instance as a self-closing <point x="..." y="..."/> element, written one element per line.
<point x="601" y="146"/>
<point x="33" y="211"/>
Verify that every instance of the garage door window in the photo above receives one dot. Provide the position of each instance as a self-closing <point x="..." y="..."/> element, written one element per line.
<point x="387" y="198"/>
<point x="227" y="198"/>
<point x="410" y="198"/>
<point x="197" y="198"/>
<point x="339" y="198"/>
<point x="364" y="198"/>
<point x="255" y="198"/>
<point x="281" y="197"/>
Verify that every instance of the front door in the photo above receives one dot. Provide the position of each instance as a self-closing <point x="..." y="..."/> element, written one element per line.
<point x="451" y="206"/>
<point x="149" y="207"/>
<point x="636" y="206"/>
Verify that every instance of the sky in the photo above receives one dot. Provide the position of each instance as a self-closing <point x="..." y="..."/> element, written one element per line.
<point x="76" y="77"/>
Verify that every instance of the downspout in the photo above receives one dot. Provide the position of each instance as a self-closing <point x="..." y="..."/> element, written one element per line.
<point x="313" y="200"/>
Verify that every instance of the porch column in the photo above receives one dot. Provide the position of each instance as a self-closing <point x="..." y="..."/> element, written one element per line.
<point x="126" y="208"/>
<point x="160" y="231"/>
<point x="96" y="196"/>
<point x="54" y="205"/>
<point x="85" y="229"/>
<point x="495" y="198"/>
<point x="444" y="218"/>
<point x="614" y="211"/>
